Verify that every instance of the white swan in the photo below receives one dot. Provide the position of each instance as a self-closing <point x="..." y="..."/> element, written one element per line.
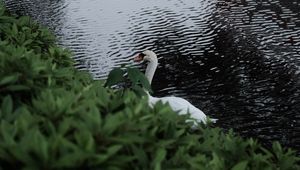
<point x="177" y="104"/>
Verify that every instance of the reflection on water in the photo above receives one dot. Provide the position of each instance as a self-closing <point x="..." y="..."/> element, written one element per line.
<point x="238" y="61"/>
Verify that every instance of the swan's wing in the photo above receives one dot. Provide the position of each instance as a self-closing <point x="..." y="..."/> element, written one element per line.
<point x="182" y="106"/>
<point x="175" y="103"/>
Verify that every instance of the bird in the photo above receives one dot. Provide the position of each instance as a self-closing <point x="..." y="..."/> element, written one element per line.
<point x="177" y="104"/>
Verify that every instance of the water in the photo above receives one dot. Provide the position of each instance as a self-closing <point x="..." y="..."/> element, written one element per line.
<point x="238" y="61"/>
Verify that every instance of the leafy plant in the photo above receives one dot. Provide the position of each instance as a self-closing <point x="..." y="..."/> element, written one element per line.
<point x="134" y="79"/>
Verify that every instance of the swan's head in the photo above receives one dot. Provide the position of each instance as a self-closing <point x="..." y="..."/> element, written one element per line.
<point x="147" y="55"/>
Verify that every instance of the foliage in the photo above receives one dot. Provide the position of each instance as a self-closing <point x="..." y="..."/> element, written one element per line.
<point x="134" y="80"/>
<point x="55" y="117"/>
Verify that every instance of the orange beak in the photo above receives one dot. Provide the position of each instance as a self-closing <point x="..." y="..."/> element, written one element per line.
<point x="138" y="58"/>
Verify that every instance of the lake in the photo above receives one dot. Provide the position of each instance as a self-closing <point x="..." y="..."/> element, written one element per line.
<point x="237" y="60"/>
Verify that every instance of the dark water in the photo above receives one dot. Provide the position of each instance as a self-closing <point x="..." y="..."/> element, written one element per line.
<point x="239" y="61"/>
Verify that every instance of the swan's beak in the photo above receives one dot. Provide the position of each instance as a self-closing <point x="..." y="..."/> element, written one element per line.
<point x="138" y="58"/>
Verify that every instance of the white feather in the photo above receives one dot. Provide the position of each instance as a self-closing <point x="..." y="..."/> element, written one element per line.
<point x="177" y="104"/>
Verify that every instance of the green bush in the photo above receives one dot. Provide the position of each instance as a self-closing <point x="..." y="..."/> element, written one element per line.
<point x="55" y="117"/>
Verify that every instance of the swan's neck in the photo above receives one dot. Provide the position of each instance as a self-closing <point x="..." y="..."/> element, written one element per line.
<point x="150" y="70"/>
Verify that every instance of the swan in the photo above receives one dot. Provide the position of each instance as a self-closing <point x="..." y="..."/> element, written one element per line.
<point x="177" y="104"/>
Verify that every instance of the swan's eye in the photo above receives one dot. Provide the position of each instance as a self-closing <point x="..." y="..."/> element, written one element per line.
<point x="139" y="57"/>
<point x="142" y="55"/>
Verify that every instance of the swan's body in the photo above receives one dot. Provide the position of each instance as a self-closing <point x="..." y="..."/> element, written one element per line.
<point x="181" y="106"/>
<point x="177" y="104"/>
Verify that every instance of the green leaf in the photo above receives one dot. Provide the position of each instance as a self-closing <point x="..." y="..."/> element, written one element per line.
<point x="140" y="155"/>
<point x="9" y="79"/>
<point x="70" y="160"/>
<point x="17" y="88"/>
<point x="7" y="19"/>
<point x="133" y="75"/>
<point x="90" y="144"/>
<point x="114" y="149"/>
<point x="277" y="148"/>
<point x="103" y="157"/>
<point x="112" y="123"/>
<point x="103" y="96"/>
<point x="27" y="42"/>
<point x="7" y="105"/>
<point x="23" y="20"/>
<point x="6" y="135"/>
<point x="159" y="157"/>
<point x="98" y="159"/>
<point x="114" y="77"/>
<point x="85" y="140"/>
<point x="15" y="30"/>
<point x="139" y="90"/>
<point x="41" y="145"/>
<point x="72" y="157"/>
<point x="1" y="8"/>
<point x="145" y="83"/>
<point x="217" y="162"/>
<point x="240" y="166"/>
